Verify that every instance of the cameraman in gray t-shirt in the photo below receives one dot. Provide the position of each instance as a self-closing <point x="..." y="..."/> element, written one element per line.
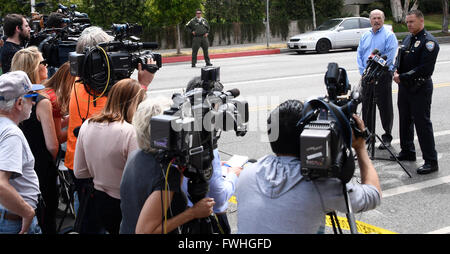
<point x="273" y="196"/>
<point x="19" y="184"/>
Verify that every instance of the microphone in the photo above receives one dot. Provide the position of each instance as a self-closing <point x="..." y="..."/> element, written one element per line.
<point x="233" y="92"/>
<point x="374" y="52"/>
<point x="380" y="64"/>
<point x="230" y="93"/>
<point x="370" y="61"/>
<point x="150" y="45"/>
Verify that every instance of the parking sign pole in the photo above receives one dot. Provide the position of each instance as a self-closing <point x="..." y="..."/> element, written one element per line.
<point x="267" y="23"/>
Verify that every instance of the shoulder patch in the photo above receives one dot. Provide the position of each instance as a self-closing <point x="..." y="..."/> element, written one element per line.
<point x="430" y="45"/>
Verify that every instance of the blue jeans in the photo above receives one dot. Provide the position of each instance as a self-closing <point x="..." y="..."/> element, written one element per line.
<point x="14" y="227"/>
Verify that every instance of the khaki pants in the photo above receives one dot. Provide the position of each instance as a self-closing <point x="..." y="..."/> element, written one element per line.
<point x="197" y="42"/>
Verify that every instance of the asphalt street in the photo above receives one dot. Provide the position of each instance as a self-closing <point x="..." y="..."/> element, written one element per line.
<point x="414" y="205"/>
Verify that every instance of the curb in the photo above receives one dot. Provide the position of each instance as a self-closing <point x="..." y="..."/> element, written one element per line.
<point x="177" y="59"/>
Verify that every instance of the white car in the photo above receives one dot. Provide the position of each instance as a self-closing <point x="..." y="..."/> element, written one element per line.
<point x="333" y="34"/>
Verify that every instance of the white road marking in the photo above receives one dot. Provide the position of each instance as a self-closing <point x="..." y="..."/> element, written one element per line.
<point x="415" y="186"/>
<point x="436" y="134"/>
<point x="445" y="230"/>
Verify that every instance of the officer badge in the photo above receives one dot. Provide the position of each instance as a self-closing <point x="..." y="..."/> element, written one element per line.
<point x="417" y="44"/>
<point x="430" y="46"/>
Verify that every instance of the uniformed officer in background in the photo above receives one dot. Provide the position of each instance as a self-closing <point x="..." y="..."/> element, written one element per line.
<point x="199" y="28"/>
<point x="415" y="65"/>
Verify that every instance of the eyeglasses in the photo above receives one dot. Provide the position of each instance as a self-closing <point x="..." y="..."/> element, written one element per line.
<point x="199" y="13"/>
<point x="45" y="63"/>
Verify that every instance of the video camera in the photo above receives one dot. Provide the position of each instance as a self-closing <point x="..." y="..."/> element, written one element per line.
<point x="56" y="43"/>
<point x="76" y="21"/>
<point x="327" y="123"/>
<point x="100" y="67"/>
<point x="190" y="129"/>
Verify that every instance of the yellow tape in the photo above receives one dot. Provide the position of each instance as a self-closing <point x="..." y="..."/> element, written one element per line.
<point x="362" y="227"/>
<point x="233" y="200"/>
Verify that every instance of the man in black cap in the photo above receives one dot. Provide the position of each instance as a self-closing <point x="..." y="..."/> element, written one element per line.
<point x="415" y="65"/>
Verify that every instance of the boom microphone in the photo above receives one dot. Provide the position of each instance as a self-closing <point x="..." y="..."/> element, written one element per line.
<point x="233" y="92"/>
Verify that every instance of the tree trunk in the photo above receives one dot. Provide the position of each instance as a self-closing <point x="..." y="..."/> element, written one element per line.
<point x="397" y="10"/>
<point x="445" y="16"/>
<point x="405" y="9"/>
<point x="415" y="5"/>
<point x="314" y="14"/>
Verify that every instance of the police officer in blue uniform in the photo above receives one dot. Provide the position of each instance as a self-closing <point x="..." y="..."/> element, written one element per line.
<point x="415" y="64"/>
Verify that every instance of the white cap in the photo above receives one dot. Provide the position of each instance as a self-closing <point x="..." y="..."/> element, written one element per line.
<point x="16" y="84"/>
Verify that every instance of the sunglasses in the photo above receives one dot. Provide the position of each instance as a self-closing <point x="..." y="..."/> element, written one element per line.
<point x="45" y="63"/>
<point x="33" y="96"/>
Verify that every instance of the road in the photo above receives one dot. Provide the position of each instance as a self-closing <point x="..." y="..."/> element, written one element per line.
<point x="410" y="205"/>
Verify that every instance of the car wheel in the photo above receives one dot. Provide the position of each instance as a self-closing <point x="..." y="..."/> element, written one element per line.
<point x="323" y="46"/>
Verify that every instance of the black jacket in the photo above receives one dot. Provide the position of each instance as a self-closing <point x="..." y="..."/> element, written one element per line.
<point x="417" y="57"/>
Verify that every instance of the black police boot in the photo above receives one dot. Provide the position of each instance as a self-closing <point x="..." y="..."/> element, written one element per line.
<point x="382" y="147"/>
<point x="209" y="64"/>
<point x="428" y="168"/>
<point x="193" y="66"/>
<point x="387" y="138"/>
<point x="405" y="157"/>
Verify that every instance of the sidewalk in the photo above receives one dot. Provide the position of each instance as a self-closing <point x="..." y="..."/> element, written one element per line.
<point x="240" y="50"/>
<point x="216" y="52"/>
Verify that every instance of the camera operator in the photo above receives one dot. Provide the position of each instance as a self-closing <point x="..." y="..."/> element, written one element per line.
<point x="386" y="43"/>
<point x="220" y="188"/>
<point x="275" y="188"/>
<point x="142" y="186"/>
<point x="84" y="102"/>
<point x="17" y="30"/>
<point x="56" y="20"/>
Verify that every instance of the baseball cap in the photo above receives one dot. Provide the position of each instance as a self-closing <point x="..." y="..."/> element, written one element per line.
<point x="16" y="84"/>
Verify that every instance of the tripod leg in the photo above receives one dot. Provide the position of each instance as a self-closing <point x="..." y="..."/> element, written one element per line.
<point x="349" y="214"/>
<point x="395" y="157"/>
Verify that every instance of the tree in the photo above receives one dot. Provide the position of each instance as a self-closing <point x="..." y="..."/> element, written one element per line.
<point x="399" y="12"/>
<point x="172" y="13"/>
<point x="445" y="16"/>
<point x="314" y="14"/>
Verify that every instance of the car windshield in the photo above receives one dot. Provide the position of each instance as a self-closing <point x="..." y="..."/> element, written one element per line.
<point x="328" y="24"/>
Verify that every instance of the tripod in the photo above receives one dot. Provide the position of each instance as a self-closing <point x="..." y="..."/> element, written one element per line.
<point x="373" y="136"/>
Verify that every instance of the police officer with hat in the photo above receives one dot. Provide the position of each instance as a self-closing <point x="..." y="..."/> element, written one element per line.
<point x="415" y="64"/>
<point x="199" y="28"/>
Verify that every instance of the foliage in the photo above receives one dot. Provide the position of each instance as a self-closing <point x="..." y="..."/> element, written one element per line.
<point x="231" y="21"/>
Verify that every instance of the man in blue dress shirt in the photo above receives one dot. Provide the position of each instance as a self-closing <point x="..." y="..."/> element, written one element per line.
<point x="385" y="41"/>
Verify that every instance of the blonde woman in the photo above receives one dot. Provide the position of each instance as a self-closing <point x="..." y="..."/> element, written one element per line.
<point x="40" y="132"/>
<point x="143" y="187"/>
<point x="58" y="89"/>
